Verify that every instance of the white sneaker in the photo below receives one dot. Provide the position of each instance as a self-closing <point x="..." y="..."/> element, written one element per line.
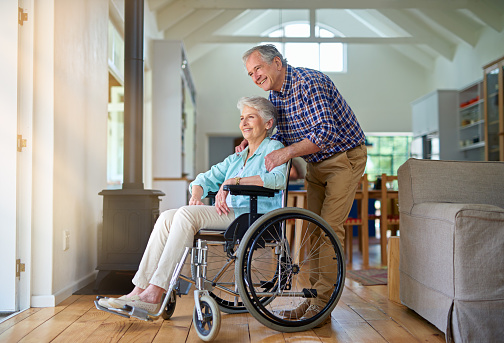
<point x="103" y="302"/>
<point x="134" y="301"/>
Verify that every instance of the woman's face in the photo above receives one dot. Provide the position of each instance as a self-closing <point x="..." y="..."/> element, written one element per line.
<point x="252" y="125"/>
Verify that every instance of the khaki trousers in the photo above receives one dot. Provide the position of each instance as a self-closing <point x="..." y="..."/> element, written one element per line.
<point x="331" y="187"/>
<point x="173" y="232"/>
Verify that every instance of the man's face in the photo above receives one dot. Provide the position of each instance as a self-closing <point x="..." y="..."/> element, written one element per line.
<point x="267" y="76"/>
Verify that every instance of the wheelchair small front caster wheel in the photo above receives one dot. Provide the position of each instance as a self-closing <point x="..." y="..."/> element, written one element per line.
<point x="209" y="327"/>
<point x="170" y="307"/>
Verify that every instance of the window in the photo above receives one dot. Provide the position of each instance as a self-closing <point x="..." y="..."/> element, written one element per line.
<point x="386" y="153"/>
<point x="115" y="122"/>
<point x="327" y="57"/>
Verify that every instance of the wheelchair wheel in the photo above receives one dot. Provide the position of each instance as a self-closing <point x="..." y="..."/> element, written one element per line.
<point x="218" y="261"/>
<point x="170" y="307"/>
<point x="300" y="250"/>
<point x="209" y="327"/>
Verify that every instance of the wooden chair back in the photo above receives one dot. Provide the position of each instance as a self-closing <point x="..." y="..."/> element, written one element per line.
<point x="389" y="213"/>
<point x="360" y="220"/>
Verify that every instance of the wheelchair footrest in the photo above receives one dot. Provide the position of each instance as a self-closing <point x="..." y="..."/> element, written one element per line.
<point x="310" y="293"/>
<point x="183" y="287"/>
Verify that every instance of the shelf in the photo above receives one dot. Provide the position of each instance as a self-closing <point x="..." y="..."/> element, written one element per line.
<point x="478" y="123"/>
<point x="473" y="146"/>
<point x="470" y="106"/>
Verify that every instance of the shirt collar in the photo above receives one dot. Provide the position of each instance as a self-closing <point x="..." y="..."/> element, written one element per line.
<point x="287" y="84"/>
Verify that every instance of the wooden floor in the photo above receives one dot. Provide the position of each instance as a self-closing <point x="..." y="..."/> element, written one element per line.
<point x="363" y="314"/>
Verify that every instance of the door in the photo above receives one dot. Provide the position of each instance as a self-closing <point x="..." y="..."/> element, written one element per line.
<point x="8" y="152"/>
<point x="15" y="173"/>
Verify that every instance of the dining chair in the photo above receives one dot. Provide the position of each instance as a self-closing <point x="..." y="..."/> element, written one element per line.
<point x="360" y="220"/>
<point x="389" y="218"/>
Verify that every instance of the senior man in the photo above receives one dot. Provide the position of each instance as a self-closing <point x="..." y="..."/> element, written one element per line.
<point x="316" y="123"/>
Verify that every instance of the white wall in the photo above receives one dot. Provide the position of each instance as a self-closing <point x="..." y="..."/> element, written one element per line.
<point x="379" y="86"/>
<point x="70" y="125"/>
<point x="467" y="64"/>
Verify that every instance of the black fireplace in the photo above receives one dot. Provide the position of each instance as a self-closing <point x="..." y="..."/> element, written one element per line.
<point x="129" y="213"/>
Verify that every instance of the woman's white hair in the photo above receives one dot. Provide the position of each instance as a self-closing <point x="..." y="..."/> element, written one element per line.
<point x="263" y="106"/>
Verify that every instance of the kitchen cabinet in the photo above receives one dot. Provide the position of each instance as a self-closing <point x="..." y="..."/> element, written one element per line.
<point x="493" y="87"/>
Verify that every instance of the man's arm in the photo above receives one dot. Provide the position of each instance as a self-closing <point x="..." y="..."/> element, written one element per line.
<point x="281" y="156"/>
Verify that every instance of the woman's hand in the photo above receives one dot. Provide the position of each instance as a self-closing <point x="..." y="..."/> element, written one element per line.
<point x="195" y="201"/>
<point x="220" y="198"/>
<point x="196" y="194"/>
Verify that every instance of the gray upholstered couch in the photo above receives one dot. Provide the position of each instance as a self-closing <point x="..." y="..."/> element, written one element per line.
<point x="452" y="246"/>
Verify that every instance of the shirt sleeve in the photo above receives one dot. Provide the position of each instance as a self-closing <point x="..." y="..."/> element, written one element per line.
<point x="319" y="115"/>
<point x="277" y="178"/>
<point x="211" y="180"/>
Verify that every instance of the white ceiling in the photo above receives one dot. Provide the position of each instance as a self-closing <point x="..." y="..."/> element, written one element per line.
<point x="423" y="30"/>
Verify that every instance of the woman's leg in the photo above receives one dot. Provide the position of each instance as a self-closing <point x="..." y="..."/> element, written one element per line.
<point x="153" y="251"/>
<point x="174" y="232"/>
<point x="187" y="221"/>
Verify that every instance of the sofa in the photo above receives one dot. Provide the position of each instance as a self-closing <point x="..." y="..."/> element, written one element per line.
<point x="452" y="246"/>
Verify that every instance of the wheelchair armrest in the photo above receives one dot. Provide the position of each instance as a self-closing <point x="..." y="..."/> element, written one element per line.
<point x="211" y="196"/>
<point x="251" y="190"/>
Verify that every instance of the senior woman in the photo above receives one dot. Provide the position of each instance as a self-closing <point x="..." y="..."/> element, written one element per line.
<point x="175" y="229"/>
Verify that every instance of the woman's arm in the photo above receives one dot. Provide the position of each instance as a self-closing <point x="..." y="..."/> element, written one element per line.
<point x="213" y="178"/>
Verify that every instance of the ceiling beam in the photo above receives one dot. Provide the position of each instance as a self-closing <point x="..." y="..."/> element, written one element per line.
<point x="245" y="22"/>
<point x="155" y="5"/>
<point x="457" y="24"/>
<point x="202" y="34"/>
<point x="191" y="23"/>
<point x="321" y="4"/>
<point x="172" y="14"/>
<point x="349" y="40"/>
<point x="421" y="31"/>
<point x="378" y="23"/>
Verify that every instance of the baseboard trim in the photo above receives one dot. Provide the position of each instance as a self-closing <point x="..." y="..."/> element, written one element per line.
<point x="56" y="298"/>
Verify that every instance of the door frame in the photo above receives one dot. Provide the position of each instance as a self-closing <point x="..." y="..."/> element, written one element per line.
<point x="25" y="157"/>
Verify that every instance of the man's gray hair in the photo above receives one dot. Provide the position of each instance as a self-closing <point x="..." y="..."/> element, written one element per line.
<point x="263" y="106"/>
<point x="267" y="51"/>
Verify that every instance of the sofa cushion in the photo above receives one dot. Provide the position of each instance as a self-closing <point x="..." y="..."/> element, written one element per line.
<point x="450" y="182"/>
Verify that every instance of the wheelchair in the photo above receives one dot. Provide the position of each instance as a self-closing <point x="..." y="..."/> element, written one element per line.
<point x="265" y="264"/>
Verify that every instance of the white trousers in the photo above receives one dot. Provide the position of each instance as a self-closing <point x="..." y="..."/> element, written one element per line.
<point x="173" y="232"/>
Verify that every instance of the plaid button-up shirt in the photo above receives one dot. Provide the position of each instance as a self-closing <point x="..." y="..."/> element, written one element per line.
<point x="310" y="106"/>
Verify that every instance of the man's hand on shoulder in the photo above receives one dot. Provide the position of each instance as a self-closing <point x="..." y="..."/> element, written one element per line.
<point x="276" y="158"/>
<point x="241" y="147"/>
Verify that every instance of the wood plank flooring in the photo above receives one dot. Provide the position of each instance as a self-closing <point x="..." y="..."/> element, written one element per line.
<point x="363" y="314"/>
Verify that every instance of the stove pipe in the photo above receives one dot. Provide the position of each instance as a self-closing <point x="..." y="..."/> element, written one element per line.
<point x="133" y="93"/>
